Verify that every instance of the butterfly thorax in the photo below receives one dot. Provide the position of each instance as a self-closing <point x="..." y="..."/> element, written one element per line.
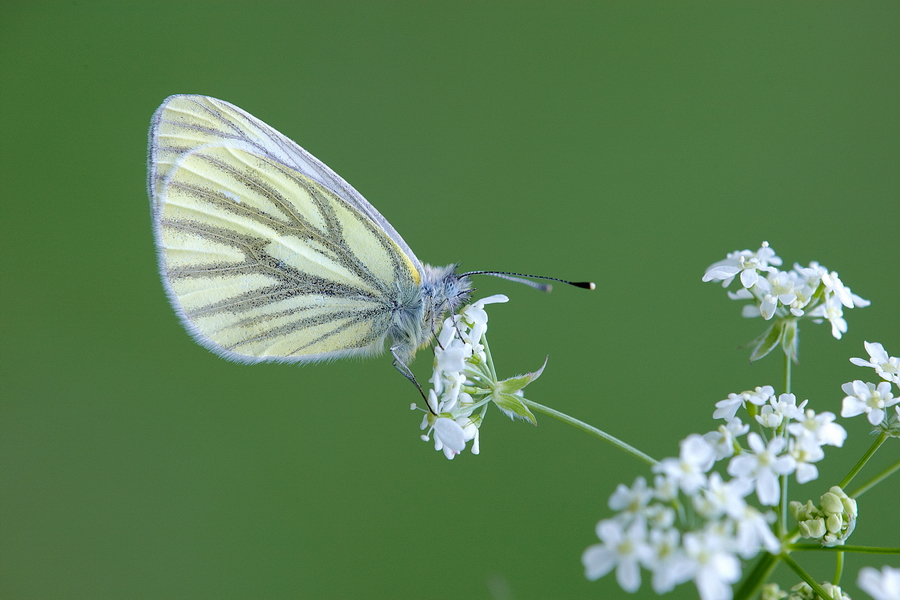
<point x="417" y="316"/>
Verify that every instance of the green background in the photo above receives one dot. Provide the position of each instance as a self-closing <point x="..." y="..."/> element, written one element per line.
<point x="629" y="143"/>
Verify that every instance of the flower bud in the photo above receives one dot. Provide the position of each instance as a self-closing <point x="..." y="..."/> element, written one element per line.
<point x="813" y="528"/>
<point x="831" y="504"/>
<point x="834" y="523"/>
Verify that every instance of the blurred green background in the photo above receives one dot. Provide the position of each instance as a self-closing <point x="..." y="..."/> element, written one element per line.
<point x="629" y="143"/>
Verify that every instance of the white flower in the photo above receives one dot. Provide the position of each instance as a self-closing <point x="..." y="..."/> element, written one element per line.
<point x="665" y="489"/>
<point x="660" y="516"/>
<point x="450" y="430"/>
<point x="745" y="262"/>
<point x="722" y="439"/>
<point x="781" y="291"/>
<point x="448" y="436"/>
<point x="620" y="548"/>
<point x="631" y="501"/>
<point x="669" y="564"/>
<point x="887" y="367"/>
<point x="754" y="531"/>
<point x="726" y="409"/>
<point x="834" y="285"/>
<point x="713" y="567"/>
<point x="821" y="428"/>
<point x="763" y="466"/>
<point x="689" y="469"/>
<point x="785" y="407"/>
<point x="834" y="312"/>
<point x="769" y="417"/>
<point x="806" y="451"/>
<point x="867" y="398"/>
<point x="452" y="356"/>
<point x="812" y="274"/>
<point x="723" y="498"/>
<point x="881" y="586"/>
<point x="476" y="317"/>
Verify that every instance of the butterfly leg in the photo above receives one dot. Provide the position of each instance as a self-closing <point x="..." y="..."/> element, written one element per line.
<point x="404" y="370"/>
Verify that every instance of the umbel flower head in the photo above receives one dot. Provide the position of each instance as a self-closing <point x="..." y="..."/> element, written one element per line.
<point x="464" y="383"/>
<point x="784" y="297"/>
<point x="694" y="523"/>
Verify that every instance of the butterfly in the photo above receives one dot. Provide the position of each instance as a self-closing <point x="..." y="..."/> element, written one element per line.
<point x="266" y="254"/>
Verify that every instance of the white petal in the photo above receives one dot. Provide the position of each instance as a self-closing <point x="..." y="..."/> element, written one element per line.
<point x="876" y="352"/>
<point x="495" y="299"/>
<point x="450" y="434"/>
<point x="806" y="473"/>
<point x="598" y="560"/>
<point x="767" y="488"/>
<point x="629" y="575"/>
<point x="852" y="406"/>
<point x="721" y="270"/>
<point x="876" y="416"/>
<point x="749" y="277"/>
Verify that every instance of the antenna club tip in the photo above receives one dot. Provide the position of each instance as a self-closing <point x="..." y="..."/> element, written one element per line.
<point x="585" y="285"/>
<point x="591" y="285"/>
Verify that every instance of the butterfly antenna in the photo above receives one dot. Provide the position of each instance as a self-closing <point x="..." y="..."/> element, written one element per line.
<point x="544" y="287"/>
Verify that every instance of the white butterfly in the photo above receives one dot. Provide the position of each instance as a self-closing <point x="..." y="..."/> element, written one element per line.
<point x="268" y="255"/>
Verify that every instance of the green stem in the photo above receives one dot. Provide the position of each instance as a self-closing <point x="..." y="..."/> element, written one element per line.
<point x="490" y="359"/>
<point x="875" y="480"/>
<point x="862" y="461"/>
<point x="839" y="549"/>
<point x="781" y="525"/>
<point x="787" y="373"/>
<point x="591" y="429"/>
<point x="757" y="577"/>
<point x="783" y="480"/>
<point x="838" y="568"/>
<point x="805" y="576"/>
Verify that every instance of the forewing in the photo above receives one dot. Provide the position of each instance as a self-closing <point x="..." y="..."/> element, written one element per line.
<point x="261" y="261"/>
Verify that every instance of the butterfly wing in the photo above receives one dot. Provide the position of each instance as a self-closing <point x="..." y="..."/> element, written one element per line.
<point x="265" y="253"/>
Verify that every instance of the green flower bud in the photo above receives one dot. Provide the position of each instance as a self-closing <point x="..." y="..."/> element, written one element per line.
<point x="813" y="528"/>
<point x="831" y="503"/>
<point x="834" y="523"/>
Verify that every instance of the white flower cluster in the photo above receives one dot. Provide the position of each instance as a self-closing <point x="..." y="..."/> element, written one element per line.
<point x="811" y="291"/>
<point x="459" y="361"/>
<point x="464" y="383"/>
<point x="693" y="524"/>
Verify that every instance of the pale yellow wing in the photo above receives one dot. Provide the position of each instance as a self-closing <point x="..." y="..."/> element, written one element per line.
<point x="260" y="260"/>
